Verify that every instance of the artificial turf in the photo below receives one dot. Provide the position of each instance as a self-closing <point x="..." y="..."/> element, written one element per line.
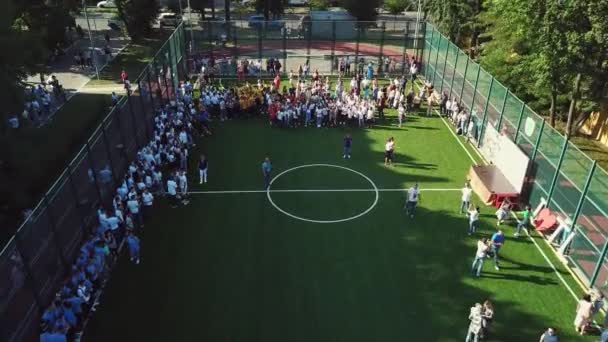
<point x="231" y="267"/>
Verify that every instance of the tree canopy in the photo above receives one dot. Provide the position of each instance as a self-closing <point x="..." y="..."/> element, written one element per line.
<point x="138" y="16"/>
<point x="551" y="54"/>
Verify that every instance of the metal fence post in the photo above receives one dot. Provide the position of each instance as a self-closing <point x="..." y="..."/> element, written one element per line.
<point x="105" y="140"/>
<point x="521" y="116"/>
<point x="464" y="78"/>
<point x="53" y="226"/>
<point x="454" y="74"/>
<point x="260" y="48"/>
<point x="381" y="54"/>
<point x="76" y="198"/>
<point x="557" y="169"/>
<point x="284" y="29"/>
<point x="356" y="61"/>
<point x="93" y="172"/>
<point x="485" y="114"/>
<point x="404" y="53"/>
<point x="150" y="86"/>
<point x="436" y="61"/>
<point x="475" y="89"/>
<point x="502" y="111"/>
<point x="596" y="272"/>
<point x="29" y="274"/>
<point x="445" y="63"/>
<point x="581" y="202"/>
<point x="537" y="142"/>
<point x="143" y="107"/>
<point x="134" y="120"/>
<point x="333" y="45"/>
<point x="428" y="57"/>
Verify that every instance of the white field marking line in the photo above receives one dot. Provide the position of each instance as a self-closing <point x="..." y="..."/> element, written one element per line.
<point x="529" y="237"/>
<point x="211" y="192"/>
<point x="370" y="208"/>
<point x="455" y="136"/>
<point x="531" y="143"/>
<point x="547" y="260"/>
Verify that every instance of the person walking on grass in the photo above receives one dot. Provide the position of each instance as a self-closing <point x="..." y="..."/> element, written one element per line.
<point x="473" y="213"/>
<point x="266" y="172"/>
<point x="413" y="196"/>
<point x="497" y="240"/>
<point x="502" y="214"/>
<point x="348" y="146"/>
<point x="134" y="247"/>
<point x="527" y="217"/>
<point x="389" y="151"/>
<point x="550" y="335"/>
<point x="480" y="255"/>
<point x="466" y="198"/>
<point x="475" y="327"/>
<point x="583" y="314"/>
<point x="203" y="164"/>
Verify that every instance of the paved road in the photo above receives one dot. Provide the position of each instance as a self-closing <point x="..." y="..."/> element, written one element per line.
<point x="72" y="76"/>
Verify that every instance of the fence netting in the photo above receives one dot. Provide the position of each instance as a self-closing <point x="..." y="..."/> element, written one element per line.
<point x="559" y="173"/>
<point x="37" y="260"/>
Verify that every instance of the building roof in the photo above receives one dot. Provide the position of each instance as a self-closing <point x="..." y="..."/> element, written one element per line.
<point x="337" y="14"/>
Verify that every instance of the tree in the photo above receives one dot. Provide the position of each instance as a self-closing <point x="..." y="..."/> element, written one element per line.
<point x="319" y="5"/>
<point x="453" y="18"/>
<point x="23" y="54"/>
<point x="176" y="6"/>
<point x="396" y="7"/>
<point x="138" y="16"/>
<point x="366" y="10"/>
<point x="201" y="6"/>
<point x="270" y="8"/>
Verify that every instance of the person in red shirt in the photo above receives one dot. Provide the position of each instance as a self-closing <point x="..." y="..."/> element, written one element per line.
<point x="277" y="82"/>
<point x="124" y="76"/>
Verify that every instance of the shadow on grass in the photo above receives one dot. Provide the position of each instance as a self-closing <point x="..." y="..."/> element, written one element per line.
<point x="214" y="273"/>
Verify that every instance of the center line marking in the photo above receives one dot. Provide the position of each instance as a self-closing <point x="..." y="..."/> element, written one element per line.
<point x="309" y="190"/>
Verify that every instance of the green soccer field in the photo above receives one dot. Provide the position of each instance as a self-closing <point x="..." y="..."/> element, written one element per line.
<point x="231" y="266"/>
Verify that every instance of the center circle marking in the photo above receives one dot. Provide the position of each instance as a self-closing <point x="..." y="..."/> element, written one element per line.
<point x="377" y="195"/>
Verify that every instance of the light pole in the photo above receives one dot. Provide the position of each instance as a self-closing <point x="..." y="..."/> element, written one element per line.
<point x="86" y="16"/>
<point x="418" y="15"/>
<point x="191" y="31"/>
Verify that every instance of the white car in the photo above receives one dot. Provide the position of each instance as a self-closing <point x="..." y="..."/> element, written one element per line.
<point x="169" y="19"/>
<point x="106" y="4"/>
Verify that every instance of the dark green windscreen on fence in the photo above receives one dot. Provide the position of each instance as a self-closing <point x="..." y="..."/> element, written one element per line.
<point x="559" y="174"/>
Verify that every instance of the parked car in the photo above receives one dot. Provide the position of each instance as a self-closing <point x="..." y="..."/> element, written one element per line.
<point x="106" y="4"/>
<point x="169" y="19"/>
<point x="297" y="2"/>
<point x="257" y="21"/>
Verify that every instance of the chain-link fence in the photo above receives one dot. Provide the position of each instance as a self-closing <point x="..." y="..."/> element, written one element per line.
<point x="322" y="44"/>
<point x="36" y="261"/>
<point x="560" y="174"/>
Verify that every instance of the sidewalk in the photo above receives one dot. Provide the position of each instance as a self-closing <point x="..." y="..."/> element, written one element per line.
<point x="71" y="76"/>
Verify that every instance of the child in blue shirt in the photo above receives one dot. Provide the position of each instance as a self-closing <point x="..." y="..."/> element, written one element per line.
<point x="348" y="145"/>
<point x="134" y="247"/>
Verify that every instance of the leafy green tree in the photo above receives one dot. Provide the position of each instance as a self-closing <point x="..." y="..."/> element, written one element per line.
<point x="176" y="6"/>
<point x="201" y="6"/>
<point x="396" y="7"/>
<point x="320" y="5"/>
<point x="366" y="10"/>
<point x="138" y="16"/>
<point x="453" y="18"/>
<point x="270" y="8"/>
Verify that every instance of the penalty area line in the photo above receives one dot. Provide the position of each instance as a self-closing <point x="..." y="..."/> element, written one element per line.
<point x="210" y="192"/>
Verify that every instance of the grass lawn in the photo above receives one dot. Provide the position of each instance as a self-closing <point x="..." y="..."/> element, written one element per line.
<point x="231" y="267"/>
<point x="34" y="157"/>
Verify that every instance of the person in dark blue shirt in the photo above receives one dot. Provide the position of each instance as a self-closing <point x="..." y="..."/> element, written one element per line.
<point x="498" y="240"/>
<point x="266" y="171"/>
<point x="134" y="247"/>
<point x="348" y="146"/>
